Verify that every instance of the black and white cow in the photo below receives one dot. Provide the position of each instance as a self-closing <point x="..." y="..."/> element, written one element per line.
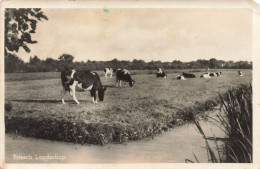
<point x="108" y="71"/>
<point x="181" y="77"/>
<point x="215" y="74"/>
<point x="161" y="73"/>
<point x="218" y="73"/>
<point x="205" y="75"/>
<point x="188" y="75"/>
<point x="212" y="74"/>
<point x="239" y="73"/>
<point x="123" y="75"/>
<point x="83" y="80"/>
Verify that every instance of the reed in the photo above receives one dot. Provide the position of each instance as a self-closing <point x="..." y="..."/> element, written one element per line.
<point x="235" y="120"/>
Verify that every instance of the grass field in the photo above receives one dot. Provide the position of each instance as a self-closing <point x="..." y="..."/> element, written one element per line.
<point x="152" y="105"/>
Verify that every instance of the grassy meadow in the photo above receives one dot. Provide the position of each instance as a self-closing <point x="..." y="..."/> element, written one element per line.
<point x="151" y="106"/>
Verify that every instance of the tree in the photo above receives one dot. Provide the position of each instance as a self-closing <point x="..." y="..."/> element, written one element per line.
<point x="213" y="63"/>
<point x="202" y="63"/>
<point x="66" y="58"/>
<point x="13" y="64"/>
<point x="66" y="61"/>
<point x="19" y="25"/>
<point x="138" y="64"/>
<point x="35" y="60"/>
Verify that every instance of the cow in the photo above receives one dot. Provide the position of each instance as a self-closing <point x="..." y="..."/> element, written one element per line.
<point x="212" y="74"/>
<point x="161" y="73"/>
<point x="239" y="73"/>
<point x="218" y="73"/>
<point x="83" y="80"/>
<point x="180" y="77"/>
<point x="108" y="71"/>
<point x="205" y="75"/>
<point x="123" y="75"/>
<point x="188" y="75"/>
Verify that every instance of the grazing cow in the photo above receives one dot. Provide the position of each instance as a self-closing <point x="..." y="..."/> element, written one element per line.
<point x="85" y="81"/>
<point x="239" y="73"/>
<point x="161" y="73"/>
<point x="205" y="75"/>
<point x="108" y="71"/>
<point x="124" y="75"/>
<point x="180" y="77"/>
<point x="188" y="75"/>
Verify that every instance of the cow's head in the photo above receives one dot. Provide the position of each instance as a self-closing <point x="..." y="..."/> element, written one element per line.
<point x="131" y="83"/>
<point x="101" y="93"/>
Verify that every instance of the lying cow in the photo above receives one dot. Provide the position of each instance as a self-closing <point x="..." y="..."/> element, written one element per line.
<point x="188" y="75"/>
<point x="85" y="80"/>
<point x="161" y="73"/>
<point x="108" y="71"/>
<point x="124" y="75"/>
<point x="205" y="75"/>
<point x="180" y="77"/>
<point x="212" y="74"/>
<point x="218" y="73"/>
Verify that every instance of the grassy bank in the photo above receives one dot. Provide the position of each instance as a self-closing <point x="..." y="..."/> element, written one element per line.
<point x="78" y="131"/>
<point x="152" y="106"/>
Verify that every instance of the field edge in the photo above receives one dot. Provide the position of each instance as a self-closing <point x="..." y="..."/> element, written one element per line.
<point x="101" y="133"/>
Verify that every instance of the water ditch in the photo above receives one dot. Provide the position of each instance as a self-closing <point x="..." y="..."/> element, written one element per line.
<point x="173" y="146"/>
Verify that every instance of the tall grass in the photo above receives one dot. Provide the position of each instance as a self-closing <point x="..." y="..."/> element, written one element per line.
<point x="235" y="119"/>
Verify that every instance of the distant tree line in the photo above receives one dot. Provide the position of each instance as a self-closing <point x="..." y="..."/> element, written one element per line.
<point x="14" y="64"/>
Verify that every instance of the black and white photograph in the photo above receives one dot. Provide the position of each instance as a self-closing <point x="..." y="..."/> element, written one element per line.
<point x="129" y="83"/>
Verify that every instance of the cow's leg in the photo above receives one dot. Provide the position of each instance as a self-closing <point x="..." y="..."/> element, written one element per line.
<point x="120" y="83"/>
<point x="111" y="75"/>
<point x="73" y="92"/>
<point x="117" y="82"/>
<point x="63" y="92"/>
<point x="93" y="93"/>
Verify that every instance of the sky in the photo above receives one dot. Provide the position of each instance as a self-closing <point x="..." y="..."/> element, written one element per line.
<point x="165" y="34"/>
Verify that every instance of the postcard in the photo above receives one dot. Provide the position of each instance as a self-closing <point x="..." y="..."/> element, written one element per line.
<point x="130" y="84"/>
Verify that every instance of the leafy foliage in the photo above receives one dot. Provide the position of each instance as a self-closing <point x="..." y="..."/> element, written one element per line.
<point x="66" y="61"/>
<point x="13" y="63"/>
<point x="19" y="25"/>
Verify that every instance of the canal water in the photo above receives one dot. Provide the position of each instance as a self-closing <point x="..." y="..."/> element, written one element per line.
<point x="173" y="146"/>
